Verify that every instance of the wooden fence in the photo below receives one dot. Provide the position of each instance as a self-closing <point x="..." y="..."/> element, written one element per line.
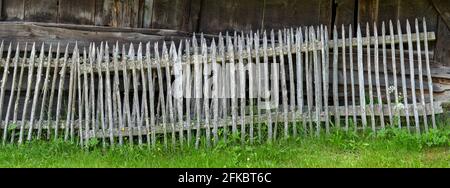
<point x="258" y="86"/>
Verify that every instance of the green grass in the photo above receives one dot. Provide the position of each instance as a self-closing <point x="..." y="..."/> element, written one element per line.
<point x="389" y="148"/>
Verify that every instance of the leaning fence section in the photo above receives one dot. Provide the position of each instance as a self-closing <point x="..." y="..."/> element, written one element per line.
<point x="254" y="86"/>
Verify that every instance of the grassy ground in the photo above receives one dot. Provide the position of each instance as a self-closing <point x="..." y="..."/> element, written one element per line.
<point x="390" y="148"/>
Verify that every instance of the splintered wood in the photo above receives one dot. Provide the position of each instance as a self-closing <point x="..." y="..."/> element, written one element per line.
<point x="251" y="87"/>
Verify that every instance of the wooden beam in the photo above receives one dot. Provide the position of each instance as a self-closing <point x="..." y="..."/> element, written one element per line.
<point x="21" y="32"/>
<point x="159" y="129"/>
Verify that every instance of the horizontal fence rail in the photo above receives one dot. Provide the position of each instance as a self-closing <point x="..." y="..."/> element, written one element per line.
<point x="255" y="86"/>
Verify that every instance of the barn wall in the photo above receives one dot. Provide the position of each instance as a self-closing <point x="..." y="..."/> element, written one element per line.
<point x="214" y="16"/>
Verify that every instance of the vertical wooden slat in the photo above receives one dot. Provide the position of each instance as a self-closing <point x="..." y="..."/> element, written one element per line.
<point x="386" y="74"/>
<point x="197" y="85"/>
<point x="325" y="67"/>
<point x="188" y="91"/>
<point x="291" y="82"/>
<point x="40" y="11"/>
<point x="251" y="82"/>
<point x="108" y="95"/>
<point x="241" y="87"/>
<point x="45" y="89"/>
<point x="94" y="122"/>
<point x="151" y="94"/>
<point x="178" y="88"/>
<point x="19" y="86"/>
<point x="412" y="77"/>
<point x="352" y="77"/>
<point x="100" y="94"/>
<point x="255" y="41"/>
<point x="394" y="74"/>
<point x="103" y="12"/>
<point x="309" y="79"/>
<point x="52" y="92"/>
<point x="1" y="49"/>
<point x="28" y="91"/>
<point x="87" y="110"/>
<point x="70" y="96"/>
<point x="80" y="104"/>
<point x="115" y="82"/>
<point x="215" y="91"/>
<point x="126" y="100"/>
<point x="115" y="90"/>
<point x="299" y="70"/>
<point x="230" y="51"/>
<point x="377" y="77"/>
<point x="337" y="119"/>
<point x="148" y="12"/>
<point x="1" y="9"/>
<point x="173" y="14"/>
<point x="224" y="87"/>
<point x="419" y="60"/>
<point x="4" y="79"/>
<point x="36" y="92"/>
<point x="95" y="100"/>
<point x="161" y="93"/>
<point x="4" y="76"/>
<point x="430" y="84"/>
<point x="76" y="12"/>
<point x="136" y="108"/>
<point x="116" y="17"/>
<point x="206" y="90"/>
<point x="369" y="78"/>
<point x="251" y="74"/>
<point x="283" y="85"/>
<point x="144" y="95"/>
<point x="327" y="70"/>
<point x="275" y="83"/>
<point x="403" y="74"/>
<point x="317" y="78"/>
<point x="362" y="96"/>
<point x="344" y="76"/>
<point x="13" y="9"/>
<point x="13" y="86"/>
<point x="60" y="90"/>
<point x="136" y="104"/>
<point x="266" y="94"/>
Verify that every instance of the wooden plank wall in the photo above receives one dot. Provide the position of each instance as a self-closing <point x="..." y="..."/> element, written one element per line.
<point x="41" y="11"/>
<point x="1" y="8"/>
<point x="352" y="12"/>
<point x="209" y="16"/>
<point x="168" y="14"/>
<point x="217" y="16"/>
<point x="214" y="16"/>
<point x="443" y="30"/>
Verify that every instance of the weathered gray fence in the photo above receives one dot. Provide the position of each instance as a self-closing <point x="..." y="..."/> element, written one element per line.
<point x="262" y="85"/>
